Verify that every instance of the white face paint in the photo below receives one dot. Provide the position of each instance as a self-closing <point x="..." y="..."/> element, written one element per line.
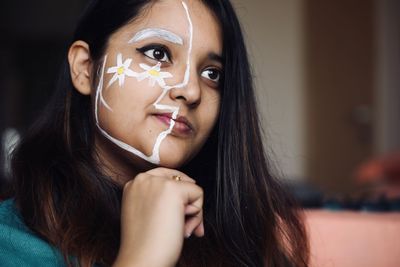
<point x="121" y="71"/>
<point x="154" y="75"/>
<point x="158" y="33"/>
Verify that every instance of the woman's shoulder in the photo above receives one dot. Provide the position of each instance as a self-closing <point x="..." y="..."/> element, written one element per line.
<point x="21" y="247"/>
<point x="9" y="216"/>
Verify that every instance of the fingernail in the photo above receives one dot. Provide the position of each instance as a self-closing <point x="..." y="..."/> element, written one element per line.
<point x="188" y="235"/>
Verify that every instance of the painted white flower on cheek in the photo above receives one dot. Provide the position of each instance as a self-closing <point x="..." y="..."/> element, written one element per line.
<point x="121" y="70"/>
<point x="154" y="74"/>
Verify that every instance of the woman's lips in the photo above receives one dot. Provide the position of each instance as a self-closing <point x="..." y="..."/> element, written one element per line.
<point x="181" y="127"/>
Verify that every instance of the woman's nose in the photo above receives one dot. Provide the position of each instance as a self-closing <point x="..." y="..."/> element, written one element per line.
<point x="189" y="93"/>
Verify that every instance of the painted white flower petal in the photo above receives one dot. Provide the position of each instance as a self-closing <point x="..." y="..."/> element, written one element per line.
<point x="112" y="70"/>
<point x="113" y="79"/>
<point x="127" y="63"/>
<point x="121" y="79"/>
<point x="130" y="73"/>
<point x="161" y="82"/>
<point x="165" y="75"/>
<point x="141" y="76"/>
<point x="157" y="66"/>
<point x="119" y="59"/>
<point x="152" y="81"/>
<point x="144" y="66"/>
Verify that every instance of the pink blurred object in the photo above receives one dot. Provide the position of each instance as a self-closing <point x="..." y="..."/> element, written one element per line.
<point x="353" y="239"/>
<point x="385" y="168"/>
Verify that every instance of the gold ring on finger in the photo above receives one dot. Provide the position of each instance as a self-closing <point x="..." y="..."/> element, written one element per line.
<point x="177" y="178"/>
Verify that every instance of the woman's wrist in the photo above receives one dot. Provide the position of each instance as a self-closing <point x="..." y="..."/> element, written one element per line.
<point x="129" y="262"/>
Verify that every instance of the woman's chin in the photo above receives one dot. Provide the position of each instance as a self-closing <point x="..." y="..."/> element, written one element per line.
<point x="166" y="161"/>
<point x="171" y="154"/>
<point x="171" y="162"/>
<point x="174" y="153"/>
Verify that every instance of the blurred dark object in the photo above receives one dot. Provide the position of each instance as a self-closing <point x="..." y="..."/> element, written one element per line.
<point x="305" y="194"/>
<point x="8" y="141"/>
<point x="5" y="188"/>
<point x="367" y="199"/>
<point x="34" y="40"/>
<point x="376" y="205"/>
<point x="395" y="204"/>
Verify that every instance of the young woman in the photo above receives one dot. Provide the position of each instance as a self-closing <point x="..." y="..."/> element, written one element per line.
<point x="150" y="152"/>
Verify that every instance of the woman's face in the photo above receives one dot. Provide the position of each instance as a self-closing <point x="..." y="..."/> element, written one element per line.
<point x="158" y="94"/>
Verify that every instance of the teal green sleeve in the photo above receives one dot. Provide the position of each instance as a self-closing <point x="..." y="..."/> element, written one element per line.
<point x="19" y="247"/>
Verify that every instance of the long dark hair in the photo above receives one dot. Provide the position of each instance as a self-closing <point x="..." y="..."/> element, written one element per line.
<point x="65" y="198"/>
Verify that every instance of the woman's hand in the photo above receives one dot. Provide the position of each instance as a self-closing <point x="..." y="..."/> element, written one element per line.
<point x="158" y="212"/>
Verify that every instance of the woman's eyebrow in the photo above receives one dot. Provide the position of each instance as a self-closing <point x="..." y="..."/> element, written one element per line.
<point x="215" y="57"/>
<point x="159" y="33"/>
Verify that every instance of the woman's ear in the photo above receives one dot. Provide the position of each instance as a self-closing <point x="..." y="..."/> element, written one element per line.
<point x="80" y="66"/>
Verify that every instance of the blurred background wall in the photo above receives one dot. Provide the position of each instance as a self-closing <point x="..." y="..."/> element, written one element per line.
<point x="275" y="36"/>
<point x="327" y="77"/>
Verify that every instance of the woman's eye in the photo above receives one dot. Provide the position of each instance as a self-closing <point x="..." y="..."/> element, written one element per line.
<point x="212" y="74"/>
<point x="158" y="53"/>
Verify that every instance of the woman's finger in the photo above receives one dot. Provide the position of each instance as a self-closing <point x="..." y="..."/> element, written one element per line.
<point x="194" y="212"/>
<point x="191" y="209"/>
<point x="192" y="223"/>
<point x="192" y="195"/>
<point x="199" y="230"/>
<point x="170" y="173"/>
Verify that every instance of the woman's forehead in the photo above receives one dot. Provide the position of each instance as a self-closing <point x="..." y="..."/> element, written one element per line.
<point x="169" y="18"/>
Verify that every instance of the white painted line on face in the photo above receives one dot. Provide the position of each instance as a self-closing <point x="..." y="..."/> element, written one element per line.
<point x="171" y="37"/>
<point x="187" y="72"/>
<point x="103" y="101"/>
<point x="99" y="93"/>
<point x="175" y="110"/>
<point x="164" y="134"/>
<point x="157" y="33"/>
<point x="152" y="159"/>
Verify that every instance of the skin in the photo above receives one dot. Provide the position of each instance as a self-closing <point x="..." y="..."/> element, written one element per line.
<point x="198" y="101"/>
<point x="157" y="211"/>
